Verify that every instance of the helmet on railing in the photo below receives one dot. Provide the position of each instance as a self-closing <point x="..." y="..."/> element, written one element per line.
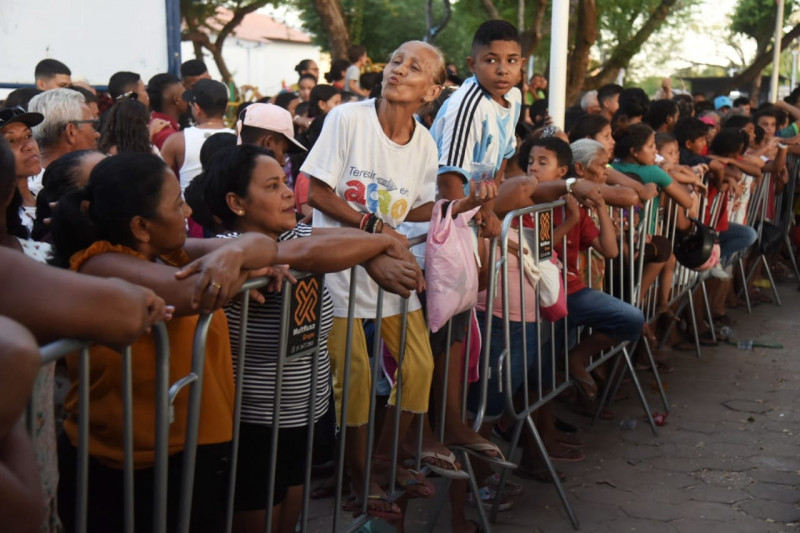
<point x="694" y="248"/>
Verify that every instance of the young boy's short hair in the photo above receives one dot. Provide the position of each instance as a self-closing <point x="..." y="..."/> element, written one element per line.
<point x="50" y="68"/>
<point x="688" y="130"/>
<point x="608" y="91"/>
<point x="554" y="144"/>
<point x="663" y="139"/>
<point x="494" y="30"/>
<point x="742" y="100"/>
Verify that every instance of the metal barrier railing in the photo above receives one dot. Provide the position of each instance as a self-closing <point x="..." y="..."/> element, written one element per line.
<point x="60" y="349"/>
<point x="166" y="393"/>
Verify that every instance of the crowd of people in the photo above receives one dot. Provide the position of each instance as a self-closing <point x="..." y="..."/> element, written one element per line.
<point x="142" y="204"/>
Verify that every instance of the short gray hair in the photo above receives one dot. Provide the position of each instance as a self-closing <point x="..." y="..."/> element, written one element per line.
<point x="584" y="150"/>
<point x="587" y="98"/>
<point x="59" y="107"/>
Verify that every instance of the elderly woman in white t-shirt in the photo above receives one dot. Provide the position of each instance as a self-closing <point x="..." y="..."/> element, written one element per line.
<point x="373" y="168"/>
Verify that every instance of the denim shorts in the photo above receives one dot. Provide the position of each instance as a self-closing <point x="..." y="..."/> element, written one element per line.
<point x="604" y="313"/>
<point x="495" y="399"/>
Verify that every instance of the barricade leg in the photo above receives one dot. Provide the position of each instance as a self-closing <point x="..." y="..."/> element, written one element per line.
<point x="788" y="243"/>
<point x="709" y="315"/>
<point x="744" y="285"/>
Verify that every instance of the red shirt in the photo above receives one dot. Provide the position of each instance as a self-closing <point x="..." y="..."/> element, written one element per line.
<point x="579" y="238"/>
<point x="160" y="138"/>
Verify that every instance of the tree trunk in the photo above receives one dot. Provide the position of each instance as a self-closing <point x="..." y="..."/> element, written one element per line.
<point x="433" y="31"/>
<point x="491" y="9"/>
<point x="753" y="72"/>
<point x="623" y="53"/>
<point x="332" y="16"/>
<point x="531" y="38"/>
<point x="585" y="37"/>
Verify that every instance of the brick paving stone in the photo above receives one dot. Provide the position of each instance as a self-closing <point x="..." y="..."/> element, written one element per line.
<point x="771" y="510"/>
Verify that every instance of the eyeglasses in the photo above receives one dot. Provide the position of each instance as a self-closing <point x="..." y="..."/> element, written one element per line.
<point x="93" y="121"/>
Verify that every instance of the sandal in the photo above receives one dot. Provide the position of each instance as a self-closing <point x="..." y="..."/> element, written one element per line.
<point x="480" y="449"/>
<point x="510" y="488"/>
<point x="584" y="382"/>
<point x="354" y="506"/>
<point x="568" y="455"/>
<point x="416" y="485"/>
<point x="488" y="496"/>
<point x="451" y="471"/>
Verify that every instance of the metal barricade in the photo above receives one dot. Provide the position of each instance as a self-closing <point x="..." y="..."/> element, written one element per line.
<point x="757" y="218"/>
<point x="60" y="349"/>
<point x="627" y="272"/>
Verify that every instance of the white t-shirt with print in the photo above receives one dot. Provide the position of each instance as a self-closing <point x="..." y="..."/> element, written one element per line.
<point x="373" y="175"/>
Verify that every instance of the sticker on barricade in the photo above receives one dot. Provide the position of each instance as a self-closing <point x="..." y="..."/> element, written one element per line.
<point x="544" y="222"/>
<point x="305" y="311"/>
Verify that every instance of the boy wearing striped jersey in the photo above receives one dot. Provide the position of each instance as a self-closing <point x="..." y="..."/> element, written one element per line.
<point x="476" y="124"/>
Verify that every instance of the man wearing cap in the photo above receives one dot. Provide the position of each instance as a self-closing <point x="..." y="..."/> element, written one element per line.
<point x="270" y="126"/>
<point x="723" y="104"/>
<point x="15" y="126"/>
<point x="68" y="126"/>
<point x="207" y="101"/>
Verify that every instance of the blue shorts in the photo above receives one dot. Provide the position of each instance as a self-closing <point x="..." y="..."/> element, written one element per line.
<point x="604" y="313"/>
<point x="496" y="400"/>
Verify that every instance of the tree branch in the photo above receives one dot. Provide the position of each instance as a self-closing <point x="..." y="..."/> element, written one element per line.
<point x="490" y="9"/>
<point x="624" y="51"/>
<point x="749" y="74"/>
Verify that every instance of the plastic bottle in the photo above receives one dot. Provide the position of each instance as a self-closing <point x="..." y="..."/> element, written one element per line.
<point x="745" y="345"/>
<point x="726" y="332"/>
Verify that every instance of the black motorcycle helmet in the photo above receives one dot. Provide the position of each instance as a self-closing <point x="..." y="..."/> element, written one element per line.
<point x="692" y="248"/>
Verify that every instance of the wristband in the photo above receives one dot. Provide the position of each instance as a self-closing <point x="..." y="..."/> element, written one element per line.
<point x="782" y="146"/>
<point x="364" y="220"/>
<point x="373" y="224"/>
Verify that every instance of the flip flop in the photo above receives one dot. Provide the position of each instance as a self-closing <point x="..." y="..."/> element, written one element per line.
<point x="371" y="511"/>
<point x="510" y="488"/>
<point x="569" y="455"/>
<point x="415" y="484"/>
<point x="479" y="449"/>
<point x="570" y="440"/>
<point x="452" y="473"/>
<point x="541" y="475"/>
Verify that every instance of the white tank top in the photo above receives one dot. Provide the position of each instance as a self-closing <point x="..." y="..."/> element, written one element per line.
<point x="193" y="139"/>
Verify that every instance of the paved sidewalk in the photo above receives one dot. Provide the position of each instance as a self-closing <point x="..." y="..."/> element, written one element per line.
<point x="727" y="461"/>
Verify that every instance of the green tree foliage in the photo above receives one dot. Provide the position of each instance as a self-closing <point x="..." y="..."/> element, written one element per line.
<point x="756" y="19"/>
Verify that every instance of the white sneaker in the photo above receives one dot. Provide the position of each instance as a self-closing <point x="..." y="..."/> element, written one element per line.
<point x="719" y="272"/>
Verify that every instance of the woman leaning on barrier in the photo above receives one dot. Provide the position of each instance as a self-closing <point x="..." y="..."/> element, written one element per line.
<point x="248" y="192"/>
<point x="73" y="313"/>
<point x="130" y="222"/>
<point x="373" y="168"/>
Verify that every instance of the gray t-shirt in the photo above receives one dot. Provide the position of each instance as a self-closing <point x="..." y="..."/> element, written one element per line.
<point x="353" y="73"/>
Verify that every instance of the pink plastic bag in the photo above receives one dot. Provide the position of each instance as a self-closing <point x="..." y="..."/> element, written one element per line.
<point x="552" y="296"/>
<point x="450" y="268"/>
